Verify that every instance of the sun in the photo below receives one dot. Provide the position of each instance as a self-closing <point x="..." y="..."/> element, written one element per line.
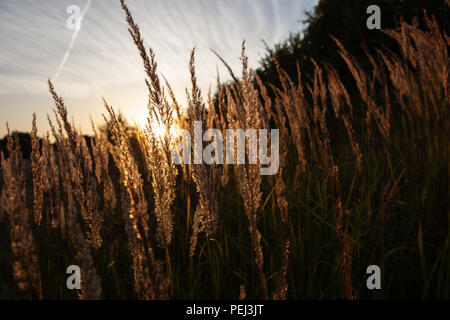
<point x="141" y="119"/>
<point x="158" y="128"/>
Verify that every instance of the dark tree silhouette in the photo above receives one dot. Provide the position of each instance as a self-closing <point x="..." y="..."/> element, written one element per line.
<point x="345" y="20"/>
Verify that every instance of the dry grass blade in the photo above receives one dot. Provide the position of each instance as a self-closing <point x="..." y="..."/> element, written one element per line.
<point x="86" y="186"/>
<point x="206" y="177"/>
<point x="26" y="263"/>
<point x="162" y="170"/>
<point x="150" y="282"/>
<point x="37" y="168"/>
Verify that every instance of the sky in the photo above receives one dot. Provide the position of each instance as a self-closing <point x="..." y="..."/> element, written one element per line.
<point x="100" y="59"/>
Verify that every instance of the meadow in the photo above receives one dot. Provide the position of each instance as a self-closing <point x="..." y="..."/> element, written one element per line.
<point x="363" y="180"/>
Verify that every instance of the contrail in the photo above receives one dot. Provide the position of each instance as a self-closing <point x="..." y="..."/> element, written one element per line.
<point x="72" y="42"/>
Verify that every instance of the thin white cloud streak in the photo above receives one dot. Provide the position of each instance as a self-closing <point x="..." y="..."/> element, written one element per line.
<point x="72" y="42"/>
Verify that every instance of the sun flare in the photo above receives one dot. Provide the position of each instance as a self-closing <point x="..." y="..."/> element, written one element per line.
<point x="158" y="128"/>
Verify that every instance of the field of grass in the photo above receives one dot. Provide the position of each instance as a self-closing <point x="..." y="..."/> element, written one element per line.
<point x="363" y="181"/>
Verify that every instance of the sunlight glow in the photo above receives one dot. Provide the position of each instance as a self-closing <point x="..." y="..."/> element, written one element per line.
<point x="158" y="128"/>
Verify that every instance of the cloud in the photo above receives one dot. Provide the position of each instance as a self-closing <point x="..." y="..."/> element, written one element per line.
<point x="34" y="38"/>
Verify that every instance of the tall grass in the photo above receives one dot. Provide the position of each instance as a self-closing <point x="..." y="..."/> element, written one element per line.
<point x="362" y="181"/>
